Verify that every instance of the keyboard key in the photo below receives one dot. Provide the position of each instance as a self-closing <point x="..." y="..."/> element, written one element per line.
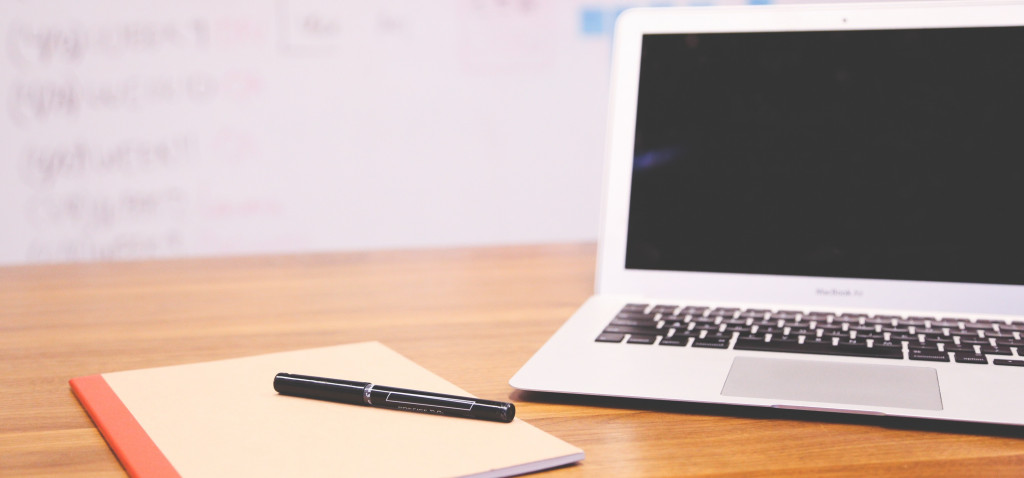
<point x="616" y="338"/>
<point x="888" y="345"/>
<point x="760" y="344"/>
<point x="928" y="355"/>
<point x="676" y="341"/>
<point x="821" y="348"/>
<point x="812" y="342"/>
<point x="963" y="357"/>
<point x="865" y="351"/>
<point x="664" y="309"/>
<point x="784" y="339"/>
<point x="634" y="315"/>
<point x="862" y="350"/>
<point x="646" y="322"/>
<point x="681" y="334"/>
<point x="978" y="326"/>
<point x="1015" y="363"/>
<point x="711" y="342"/>
<point x="691" y="310"/>
<point x="625" y="329"/>
<point x="641" y="339"/>
<point x="990" y="350"/>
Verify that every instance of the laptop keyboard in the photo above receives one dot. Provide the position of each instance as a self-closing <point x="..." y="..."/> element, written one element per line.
<point x="860" y="335"/>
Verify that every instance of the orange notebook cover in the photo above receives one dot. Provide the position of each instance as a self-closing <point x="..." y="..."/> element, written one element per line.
<point x="137" y="453"/>
<point x="223" y="418"/>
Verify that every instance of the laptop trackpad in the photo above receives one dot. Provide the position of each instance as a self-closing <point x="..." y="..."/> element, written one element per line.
<point x="896" y="386"/>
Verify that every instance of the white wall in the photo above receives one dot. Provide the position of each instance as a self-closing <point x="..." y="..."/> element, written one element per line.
<point x="203" y="127"/>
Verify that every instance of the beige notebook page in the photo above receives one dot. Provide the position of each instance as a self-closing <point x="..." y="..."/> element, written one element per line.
<point x="224" y="418"/>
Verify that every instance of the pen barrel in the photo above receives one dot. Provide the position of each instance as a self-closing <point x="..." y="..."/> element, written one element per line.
<point x="334" y="390"/>
<point x="441" y="404"/>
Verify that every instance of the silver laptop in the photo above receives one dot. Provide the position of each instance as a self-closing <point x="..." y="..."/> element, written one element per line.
<point x="815" y="207"/>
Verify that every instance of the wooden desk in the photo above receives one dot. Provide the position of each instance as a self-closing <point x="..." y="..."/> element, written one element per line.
<point x="472" y="316"/>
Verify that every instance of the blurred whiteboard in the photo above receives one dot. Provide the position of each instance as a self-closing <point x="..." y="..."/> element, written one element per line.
<point x="162" y="129"/>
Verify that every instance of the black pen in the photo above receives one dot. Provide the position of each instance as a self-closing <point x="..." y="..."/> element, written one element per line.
<point x="365" y="393"/>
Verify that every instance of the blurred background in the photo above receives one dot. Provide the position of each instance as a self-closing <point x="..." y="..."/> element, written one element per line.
<point x="133" y="130"/>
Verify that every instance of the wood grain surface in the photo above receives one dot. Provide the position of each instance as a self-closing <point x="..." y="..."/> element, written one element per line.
<point x="473" y="316"/>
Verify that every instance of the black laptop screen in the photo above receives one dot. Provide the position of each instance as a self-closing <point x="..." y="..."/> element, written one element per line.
<point x="893" y="154"/>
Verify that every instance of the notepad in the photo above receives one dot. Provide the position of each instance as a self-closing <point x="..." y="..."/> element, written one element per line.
<point x="224" y="418"/>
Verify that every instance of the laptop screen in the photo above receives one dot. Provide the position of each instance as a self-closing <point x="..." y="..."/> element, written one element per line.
<point x="885" y="154"/>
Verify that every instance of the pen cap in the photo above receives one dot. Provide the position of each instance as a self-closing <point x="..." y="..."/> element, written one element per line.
<point x="343" y="391"/>
<point x="496" y="411"/>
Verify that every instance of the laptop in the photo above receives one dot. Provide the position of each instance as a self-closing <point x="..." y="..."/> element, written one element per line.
<point x="812" y="207"/>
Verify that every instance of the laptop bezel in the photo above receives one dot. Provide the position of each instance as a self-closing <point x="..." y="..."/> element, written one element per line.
<point x="841" y="293"/>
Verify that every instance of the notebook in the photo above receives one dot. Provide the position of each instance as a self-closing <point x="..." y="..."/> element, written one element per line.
<point x="814" y="207"/>
<point x="224" y="418"/>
